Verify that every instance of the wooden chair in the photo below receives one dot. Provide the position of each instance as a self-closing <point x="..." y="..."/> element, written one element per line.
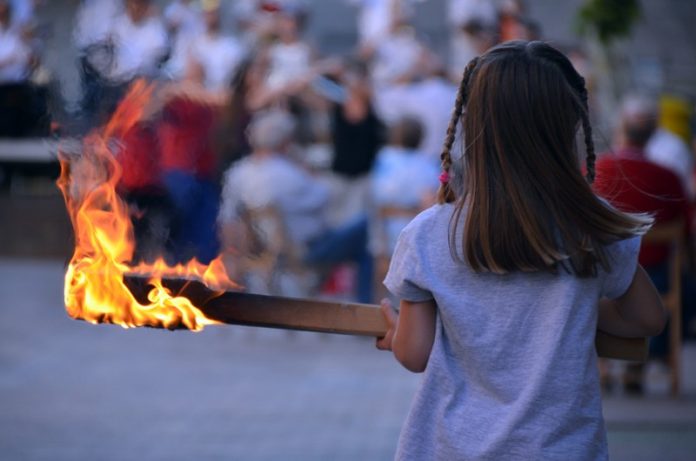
<point x="382" y="260"/>
<point x="672" y="234"/>
<point x="267" y="250"/>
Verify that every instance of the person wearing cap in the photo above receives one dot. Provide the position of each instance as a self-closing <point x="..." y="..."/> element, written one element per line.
<point x="669" y="144"/>
<point x="270" y="178"/>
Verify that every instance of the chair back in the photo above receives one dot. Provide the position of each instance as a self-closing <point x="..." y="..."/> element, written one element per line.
<point x="672" y="234"/>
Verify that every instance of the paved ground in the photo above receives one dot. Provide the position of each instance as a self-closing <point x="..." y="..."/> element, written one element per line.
<point x="74" y="391"/>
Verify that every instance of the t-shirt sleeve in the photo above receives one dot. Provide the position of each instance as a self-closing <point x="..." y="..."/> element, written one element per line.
<point x="623" y="260"/>
<point x="406" y="276"/>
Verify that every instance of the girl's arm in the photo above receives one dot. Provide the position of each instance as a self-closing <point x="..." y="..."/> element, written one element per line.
<point x="637" y="313"/>
<point x="411" y="333"/>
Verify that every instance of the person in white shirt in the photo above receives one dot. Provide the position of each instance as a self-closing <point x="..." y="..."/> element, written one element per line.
<point x="428" y="100"/>
<point x="471" y="24"/>
<point x="184" y="22"/>
<point x="92" y="38"/>
<point x="184" y="17"/>
<point x="15" y="52"/>
<point x="140" y="42"/>
<point x="218" y="54"/>
<point x="290" y="57"/>
<point x="377" y="18"/>
<point x="397" y="56"/>
<point x="94" y="21"/>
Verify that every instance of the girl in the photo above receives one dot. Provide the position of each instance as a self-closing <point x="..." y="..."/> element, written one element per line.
<point x="504" y="282"/>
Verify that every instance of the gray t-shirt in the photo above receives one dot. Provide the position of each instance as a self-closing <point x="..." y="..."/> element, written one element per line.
<point x="513" y="370"/>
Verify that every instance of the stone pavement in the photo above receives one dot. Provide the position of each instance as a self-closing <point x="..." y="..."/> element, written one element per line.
<point x="73" y="391"/>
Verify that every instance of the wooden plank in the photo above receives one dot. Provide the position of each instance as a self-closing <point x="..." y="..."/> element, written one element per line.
<point x="237" y="308"/>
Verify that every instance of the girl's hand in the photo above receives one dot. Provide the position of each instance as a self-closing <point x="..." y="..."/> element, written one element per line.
<point x="392" y="319"/>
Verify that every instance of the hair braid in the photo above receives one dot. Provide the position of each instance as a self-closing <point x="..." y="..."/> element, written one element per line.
<point x="446" y="193"/>
<point x="587" y="130"/>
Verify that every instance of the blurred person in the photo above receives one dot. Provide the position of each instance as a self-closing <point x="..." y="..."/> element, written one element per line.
<point x="630" y="181"/>
<point x="397" y="57"/>
<point x="376" y="20"/>
<point x="469" y="21"/>
<point x="218" y="54"/>
<point x="17" y="96"/>
<point x="184" y="22"/>
<point x="15" y="51"/>
<point x="357" y="134"/>
<point x="289" y="57"/>
<point x="427" y="99"/>
<point x="511" y="21"/>
<point x="140" y="42"/>
<point x="183" y="16"/>
<point x="141" y="187"/>
<point x="230" y="137"/>
<point x="133" y="44"/>
<point x="189" y="164"/>
<point x="288" y="66"/>
<point x="269" y="178"/>
<point x="91" y="35"/>
<point x="403" y="177"/>
<point x="93" y="22"/>
<point x="669" y="146"/>
<point x="255" y="20"/>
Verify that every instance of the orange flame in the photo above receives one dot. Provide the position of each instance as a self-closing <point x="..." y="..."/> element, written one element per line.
<point x="104" y="239"/>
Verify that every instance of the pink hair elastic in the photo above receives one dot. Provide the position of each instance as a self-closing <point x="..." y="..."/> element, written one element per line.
<point x="444" y="177"/>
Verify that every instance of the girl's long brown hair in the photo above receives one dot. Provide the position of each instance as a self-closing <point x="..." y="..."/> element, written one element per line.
<point x="527" y="206"/>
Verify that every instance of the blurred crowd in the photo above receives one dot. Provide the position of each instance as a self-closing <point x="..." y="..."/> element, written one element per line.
<point x="302" y="169"/>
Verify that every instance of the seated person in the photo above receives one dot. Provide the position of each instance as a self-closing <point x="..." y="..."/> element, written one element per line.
<point x="633" y="183"/>
<point x="269" y="178"/>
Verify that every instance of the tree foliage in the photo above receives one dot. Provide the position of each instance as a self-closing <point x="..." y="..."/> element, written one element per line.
<point x="609" y="19"/>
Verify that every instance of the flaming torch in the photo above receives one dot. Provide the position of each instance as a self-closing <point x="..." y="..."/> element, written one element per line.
<point x="103" y="286"/>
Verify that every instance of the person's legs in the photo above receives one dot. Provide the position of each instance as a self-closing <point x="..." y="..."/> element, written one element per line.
<point x="182" y="189"/>
<point x="202" y="225"/>
<point x="194" y="225"/>
<point x="347" y="243"/>
<point x="151" y="225"/>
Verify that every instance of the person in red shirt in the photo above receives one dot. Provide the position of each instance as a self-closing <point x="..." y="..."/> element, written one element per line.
<point x="141" y="187"/>
<point x="189" y="165"/>
<point x="632" y="183"/>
